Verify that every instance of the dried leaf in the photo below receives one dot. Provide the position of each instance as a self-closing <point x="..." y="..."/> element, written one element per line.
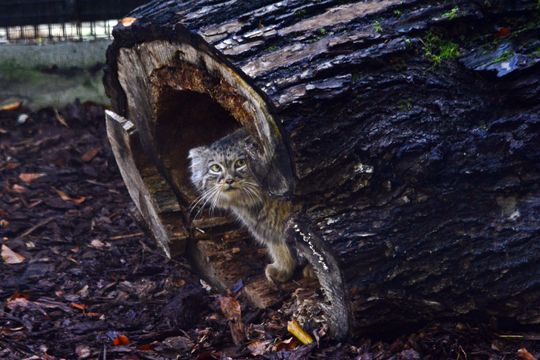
<point x="81" y="307"/>
<point x="238" y="331"/>
<point x="11" y="106"/>
<point x="11" y="257"/>
<point x="83" y="351"/>
<point x="62" y="195"/>
<point x="258" y="347"/>
<point x="19" y="189"/>
<point x="230" y="307"/>
<point x="98" y="244"/>
<point x="127" y="21"/>
<point x="287" y="344"/>
<point x="60" y="118"/>
<point x="90" y="154"/>
<point x="20" y="303"/>
<point x="294" y="328"/>
<point x="503" y="32"/>
<point x="93" y="314"/>
<point x="525" y="354"/>
<point x="146" y="347"/>
<point x="18" y="295"/>
<point x="30" y="177"/>
<point x="79" y="200"/>
<point x="121" y="340"/>
<point x="67" y="198"/>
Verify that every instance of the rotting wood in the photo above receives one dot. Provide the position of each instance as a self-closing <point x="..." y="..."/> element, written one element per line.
<point x="418" y="173"/>
<point x="151" y="196"/>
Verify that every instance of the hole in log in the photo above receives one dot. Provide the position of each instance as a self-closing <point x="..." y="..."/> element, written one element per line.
<point x="187" y="119"/>
<point x="220" y="248"/>
<point x="180" y="97"/>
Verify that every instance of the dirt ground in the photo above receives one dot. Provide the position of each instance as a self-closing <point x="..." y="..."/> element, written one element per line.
<point x="80" y="280"/>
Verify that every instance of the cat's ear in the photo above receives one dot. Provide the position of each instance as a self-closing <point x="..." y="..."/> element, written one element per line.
<point x="197" y="152"/>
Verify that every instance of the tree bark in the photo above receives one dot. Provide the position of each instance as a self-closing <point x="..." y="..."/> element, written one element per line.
<point x="408" y="131"/>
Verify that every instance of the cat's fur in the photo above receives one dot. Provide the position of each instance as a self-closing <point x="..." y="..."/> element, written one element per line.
<point x="234" y="187"/>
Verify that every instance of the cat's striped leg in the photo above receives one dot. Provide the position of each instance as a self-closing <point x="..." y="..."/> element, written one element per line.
<point x="283" y="265"/>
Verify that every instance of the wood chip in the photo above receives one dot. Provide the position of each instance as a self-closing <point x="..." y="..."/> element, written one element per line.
<point x="90" y="154"/>
<point x="127" y="21"/>
<point x="19" y="189"/>
<point x="525" y="354"/>
<point x="67" y="198"/>
<point x="60" y="118"/>
<point x="294" y="328"/>
<point x="30" y="177"/>
<point x="11" y="257"/>
<point x="11" y="106"/>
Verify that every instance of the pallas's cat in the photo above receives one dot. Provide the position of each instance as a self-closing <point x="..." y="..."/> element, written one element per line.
<point x="222" y="175"/>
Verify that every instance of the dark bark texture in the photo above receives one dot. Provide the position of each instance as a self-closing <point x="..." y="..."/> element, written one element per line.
<point x="412" y="129"/>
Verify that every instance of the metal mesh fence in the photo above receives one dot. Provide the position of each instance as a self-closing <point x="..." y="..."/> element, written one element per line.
<point x="57" y="20"/>
<point x="77" y="31"/>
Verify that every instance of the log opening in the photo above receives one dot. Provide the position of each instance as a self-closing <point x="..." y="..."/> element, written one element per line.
<point x="180" y="97"/>
<point x="186" y="119"/>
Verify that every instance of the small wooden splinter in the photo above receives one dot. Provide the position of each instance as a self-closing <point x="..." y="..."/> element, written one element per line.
<point x="294" y="328"/>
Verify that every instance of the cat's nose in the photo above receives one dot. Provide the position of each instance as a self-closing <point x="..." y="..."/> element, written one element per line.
<point x="229" y="181"/>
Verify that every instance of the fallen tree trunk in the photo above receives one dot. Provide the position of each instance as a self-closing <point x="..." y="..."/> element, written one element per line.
<point x="408" y="131"/>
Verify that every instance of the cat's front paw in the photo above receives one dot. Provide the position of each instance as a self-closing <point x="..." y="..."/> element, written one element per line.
<point x="277" y="275"/>
<point x="308" y="272"/>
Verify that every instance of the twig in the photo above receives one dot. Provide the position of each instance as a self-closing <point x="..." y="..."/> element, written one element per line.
<point x="35" y="227"/>
<point x="126" y="236"/>
<point x="527" y="337"/>
<point x="60" y="118"/>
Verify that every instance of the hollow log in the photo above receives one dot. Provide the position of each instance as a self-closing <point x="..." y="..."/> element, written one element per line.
<point x="407" y="131"/>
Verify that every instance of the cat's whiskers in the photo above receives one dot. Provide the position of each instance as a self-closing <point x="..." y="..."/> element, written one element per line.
<point x="215" y="199"/>
<point x="198" y="200"/>
<point x="206" y="197"/>
<point x="252" y="190"/>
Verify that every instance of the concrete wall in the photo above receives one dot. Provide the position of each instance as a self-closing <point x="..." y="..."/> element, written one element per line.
<point x="52" y="74"/>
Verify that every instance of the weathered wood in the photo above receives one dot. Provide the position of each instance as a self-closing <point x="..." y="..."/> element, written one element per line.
<point x="407" y="130"/>
<point x="150" y="193"/>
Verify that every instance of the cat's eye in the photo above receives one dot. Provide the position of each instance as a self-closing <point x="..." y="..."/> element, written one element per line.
<point x="215" y="168"/>
<point x="239" y="164"/>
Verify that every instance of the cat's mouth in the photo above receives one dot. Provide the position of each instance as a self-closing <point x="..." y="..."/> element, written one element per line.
<point x="229" y="188"/>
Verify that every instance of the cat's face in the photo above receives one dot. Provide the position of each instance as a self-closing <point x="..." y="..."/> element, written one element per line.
<point x="221" y="174"/>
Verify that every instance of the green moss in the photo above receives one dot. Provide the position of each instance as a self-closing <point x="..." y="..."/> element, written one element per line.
<point x="503" y="57"/>
<point x="398" y="12"/>
<point x="452" y="14"/>
<point x="271" y="48"/>
<point x="437" y="49"/>
<point x="300" y="12"/>
<point x="377" y="26"/>
<point x="12" y="72"/>
<point x="405" y="105"/>
<point x="318" y="35"/>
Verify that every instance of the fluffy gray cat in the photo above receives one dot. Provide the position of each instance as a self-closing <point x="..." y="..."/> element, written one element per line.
<point x="222" y="175"/>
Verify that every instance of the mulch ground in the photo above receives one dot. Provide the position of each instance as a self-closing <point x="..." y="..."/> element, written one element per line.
<point x="79" y="279"/>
